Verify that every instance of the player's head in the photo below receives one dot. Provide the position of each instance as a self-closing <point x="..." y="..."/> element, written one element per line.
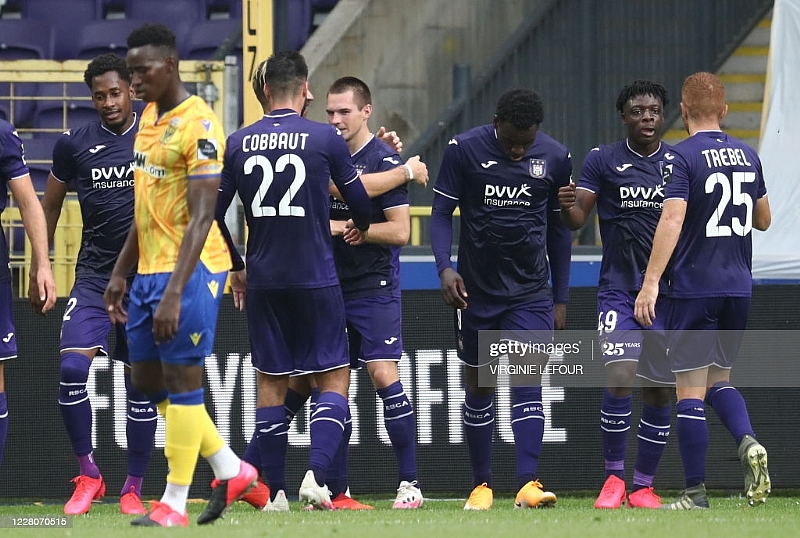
<point x="109" y="80"/>
<point x="516" y="121"/>
<point x="258" y="89"/>
<point x="349" y="106"/>
<point x="703" y="99"/>
<point x="641" y="105"/>
<point x="285" y="76"/>
<point x="153" y="61"/>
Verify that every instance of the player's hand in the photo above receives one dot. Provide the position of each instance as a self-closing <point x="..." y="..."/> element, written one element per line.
<point x="454" y="292"/>
<point x="42" y="289"/>
<point x="420" y="170"/>
<point x="566" y="196"/>
<point x="560" y="316"/>
<point x="353" y="236"/>
<point x="338" y="227"/>
<point x="390" y="138"/>
<point x="238" y="287"/>
<point x="645" y="307"/>
<point x="166" y="317"/>
<point x="115" y="291"/>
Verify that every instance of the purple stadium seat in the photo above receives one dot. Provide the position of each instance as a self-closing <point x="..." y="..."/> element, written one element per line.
<point x="232" y="7"/>
<point x="179" y="15"/>
<point x="65" y="16"/>
<point x="22" y="40"/>
<point x="39" y="156"/>
<point x="49" y="114"/>
<point x="108" y="35"/>
<point x="207" y="36"/>
<point x="25" y="39"/>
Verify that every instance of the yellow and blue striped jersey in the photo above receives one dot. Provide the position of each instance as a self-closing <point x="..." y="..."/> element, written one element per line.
<point x="183" y="144"/>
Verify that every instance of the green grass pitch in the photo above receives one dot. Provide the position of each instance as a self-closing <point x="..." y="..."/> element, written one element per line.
<point x="573" y="516"/>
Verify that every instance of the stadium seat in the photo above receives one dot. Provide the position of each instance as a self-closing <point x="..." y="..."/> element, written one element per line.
<point x="25" y="39"/>
<point x="207" y="36"/>
<point x="49" y="113"/>
<point x="179" y="15"/>
<point x="39" y="156"/>
<point x="104" y="36"/>
<point x="22" y="40"/>
<point x="233" y="8"/>
<point x="300" y="18"/>
<point x="65" y="16"/>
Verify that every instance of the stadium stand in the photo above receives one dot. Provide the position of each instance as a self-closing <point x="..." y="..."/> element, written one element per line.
<point x="65" y="16"/>
<point x="54" y="116"/>
<point x="22" y="40"/>
<point x="107" y="35"/>
<point x="207" y="36"/>
<point x="179" y="15"/>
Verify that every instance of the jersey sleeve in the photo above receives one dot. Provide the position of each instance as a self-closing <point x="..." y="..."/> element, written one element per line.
<point x="591" y="172"/>
<point x="64" y="169"/>
<point x="448" y="182"/>
<point x="676" y="178"/>
<point x="204" y="148"/>
<point x="12" y="155"/>
<point x="398" y="196"/>
<point x="343" y="171"/>
<point x="561" y="178"/>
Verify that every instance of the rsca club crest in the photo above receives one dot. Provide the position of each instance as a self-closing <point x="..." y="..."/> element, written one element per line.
<point x="537" y="168"/>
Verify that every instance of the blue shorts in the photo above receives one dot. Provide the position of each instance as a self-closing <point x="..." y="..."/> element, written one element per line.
<point x="297" y="331"/>
<point x="374" y="329"/>
<point x="705" y="331"/>
<point x="623" y="339"/>
<point x="514" y="322"/>
<point x="8" y="336"/>
<point x="85" y="324"/>
<point x="198" y="318"/>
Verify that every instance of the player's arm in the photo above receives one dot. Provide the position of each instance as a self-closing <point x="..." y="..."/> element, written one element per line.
<point x="117" y="283"/>
<point x="559" y="254"/>
<point x="762" y="216"/>
<point x="378" y="183"/>
<point x="238" y="275"/>
<point x="42" y="290"/>
<point x="52" y="202"/>
<point x="453" y="289"/>
<point x="395" y="231"/>
<point x="666" y="237"/>
<point x="576" y="205"/>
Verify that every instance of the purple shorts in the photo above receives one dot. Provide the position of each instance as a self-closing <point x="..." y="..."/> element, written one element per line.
<point x="297" y="331"/>
<point x="374" y="329"/>
<point x="85" y="324"/>
<point x="514" y="321"/>
<point x="8" y="336"/>
<point x="623" y="339"/>
<point x="196" y="325"/>
<point x="705" y="331"/>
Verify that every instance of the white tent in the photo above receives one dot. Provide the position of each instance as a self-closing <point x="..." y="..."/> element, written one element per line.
<point x="776" y="252"/>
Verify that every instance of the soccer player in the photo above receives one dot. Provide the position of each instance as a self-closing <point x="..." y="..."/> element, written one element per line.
<point x="369" y="273"/>
<point x="182" y="268"/>
<point x="96" y="161"/>
<point x="624" y="179"/>
<point x="281" y="166"/>
<point x="504" y="177"/>
<point x="714" y="196"/>
<point x="301" y="387"/>
<point x="14" y="175"/>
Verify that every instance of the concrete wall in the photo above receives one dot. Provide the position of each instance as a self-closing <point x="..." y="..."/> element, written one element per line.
<point x="405" y="51"/>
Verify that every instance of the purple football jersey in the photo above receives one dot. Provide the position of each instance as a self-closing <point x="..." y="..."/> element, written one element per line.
<point x="720" y="178"/>
<point x="630" y="195"/>
<point x="370" y="269"/>
<point x="12" y="166"/>
<point x="98" y="165"/>
<point x="281" y="167"/>
<point x="504" y="204"/>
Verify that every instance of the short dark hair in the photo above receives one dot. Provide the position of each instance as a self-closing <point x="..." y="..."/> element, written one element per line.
<point x="103" y="64"/>
<point x="284" y="72"/>
<point x="157" y="35"/>
<point x="361" y="93"/>
<point x="521" y="108"/>
<point x="642" y="87"/>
